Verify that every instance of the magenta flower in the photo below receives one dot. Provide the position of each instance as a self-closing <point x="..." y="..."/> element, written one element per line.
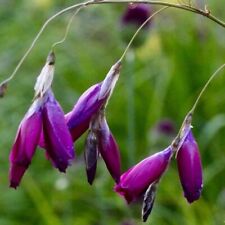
<point x="190" y="168"/>
<point x="90" y="102"/>
<point x="44" y="114"/>
<point x="25" y="143"/>
<point x="138" y="178"/>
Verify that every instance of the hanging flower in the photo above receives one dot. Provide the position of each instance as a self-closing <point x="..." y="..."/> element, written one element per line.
<point x="134" y="182"/>
<point x="90" y="102"/>
<point x="44" y="114"/>
<point x="190" y="168"/>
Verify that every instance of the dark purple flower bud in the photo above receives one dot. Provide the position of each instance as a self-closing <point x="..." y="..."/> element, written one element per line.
<point x="136" y="14"/>
<point x="108" y="147"/>
<point x="90" y="102"/>
<point x="26" y="140"/>
<point x="91" y="156"/>
<point x="58" y="141"/>
<point x="138" y="178"/>
<point x="190" y="168"/>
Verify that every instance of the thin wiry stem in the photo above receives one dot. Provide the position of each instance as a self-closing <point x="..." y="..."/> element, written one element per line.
<point x="205" y="87"/>
<point x="67" y="29"/>
<point x="188" y="118"/>
<point x="186" y="7"/>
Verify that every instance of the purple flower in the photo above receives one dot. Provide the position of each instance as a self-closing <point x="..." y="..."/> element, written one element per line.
<point x="138" y="178"/>
<point x="25" y="143"/>
<point x="44" y="114"/>
<point x="190" y="168"/>
<point x="108" y="148"/>
<point x="90" y="102"/>
<point x="58" y="141"/>
<point x="137" y="14"/>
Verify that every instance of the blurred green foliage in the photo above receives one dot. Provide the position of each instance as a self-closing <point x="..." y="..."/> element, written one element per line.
<point x="161" y="79"/>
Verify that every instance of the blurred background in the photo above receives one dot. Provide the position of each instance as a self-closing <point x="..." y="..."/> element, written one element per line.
<point x="160" y="79"/>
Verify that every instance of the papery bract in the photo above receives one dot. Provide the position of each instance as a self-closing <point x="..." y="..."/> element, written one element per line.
<point x="135" y="181"/>
<point x="26" y="140"/>
<point x="190" y="168"/>
<point x="58" y="141"/>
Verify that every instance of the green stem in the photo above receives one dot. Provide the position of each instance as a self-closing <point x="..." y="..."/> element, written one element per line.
<point x="205" y="87"/>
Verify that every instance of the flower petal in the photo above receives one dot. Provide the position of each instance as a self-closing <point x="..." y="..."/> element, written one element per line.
<point x="25" y="144"/>
<point x="58" y="141"/>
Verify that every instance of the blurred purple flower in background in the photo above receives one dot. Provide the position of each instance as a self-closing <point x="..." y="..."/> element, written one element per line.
<point x="190" y="168"/>
<point x="138" y="178"/>
<point x="166" y="127"/>
<point x="136" y="14"/>
<point x="133" y="17"/>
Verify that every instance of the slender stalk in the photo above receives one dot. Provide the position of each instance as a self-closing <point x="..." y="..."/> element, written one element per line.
<point x="188" y="117"/>
<point x="205" y="87"/>
<point x="67" y="29"/>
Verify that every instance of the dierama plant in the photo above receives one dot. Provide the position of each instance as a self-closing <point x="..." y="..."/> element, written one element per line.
<point x="46" y="125"/>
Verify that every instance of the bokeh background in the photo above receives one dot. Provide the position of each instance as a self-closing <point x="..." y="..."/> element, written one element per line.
<point x="159" y="82"/>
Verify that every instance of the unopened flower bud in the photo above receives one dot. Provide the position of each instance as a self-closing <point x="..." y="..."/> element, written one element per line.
<point x="91" y="155"/>
<point x="190" y="168"/>
<point x="138" y="178"/>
